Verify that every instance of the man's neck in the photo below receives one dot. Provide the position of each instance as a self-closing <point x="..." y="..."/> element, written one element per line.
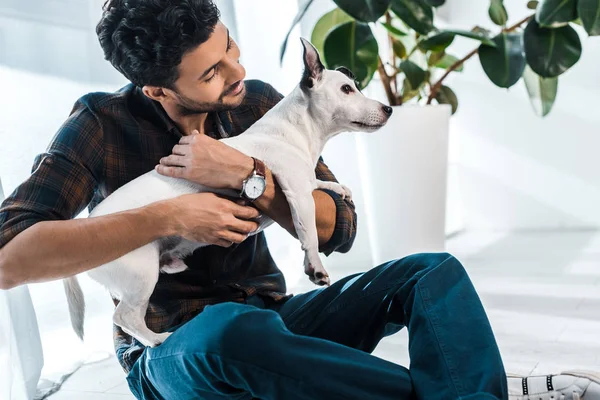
<point x="188" y="123"/>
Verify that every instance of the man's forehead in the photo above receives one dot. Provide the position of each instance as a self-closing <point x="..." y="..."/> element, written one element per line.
<point x="207" y="54"/>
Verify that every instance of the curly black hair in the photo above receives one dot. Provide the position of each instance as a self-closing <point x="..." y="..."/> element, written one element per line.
<point x="145" y="40"/>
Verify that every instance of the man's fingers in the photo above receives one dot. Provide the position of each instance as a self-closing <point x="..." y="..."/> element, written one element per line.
<point x="173" y="161"/>
<point x="181" y="150"/>
<point x="175" y="172"/>
<point x="234" y="237"/>
<point x="244" y="227"/>
<point x="224" y="243"/>
<point x="244" y="212"/>
<point x="190" y="138"/>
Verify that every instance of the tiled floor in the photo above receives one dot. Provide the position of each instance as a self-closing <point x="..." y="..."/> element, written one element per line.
<point x="541" y="291"/>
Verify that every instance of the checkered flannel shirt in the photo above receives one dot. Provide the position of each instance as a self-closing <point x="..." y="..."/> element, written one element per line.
<point x="110" y="139"/>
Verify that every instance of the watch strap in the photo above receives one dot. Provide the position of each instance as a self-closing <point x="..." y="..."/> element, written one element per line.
<point x="259" y="168"/>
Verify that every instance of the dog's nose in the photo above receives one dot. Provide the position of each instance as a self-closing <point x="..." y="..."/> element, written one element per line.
<point x="388" y="110"/>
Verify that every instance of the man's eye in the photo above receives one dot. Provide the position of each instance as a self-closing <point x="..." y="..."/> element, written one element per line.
<point x="347" y="89"/>
<point x="212" y="76"/>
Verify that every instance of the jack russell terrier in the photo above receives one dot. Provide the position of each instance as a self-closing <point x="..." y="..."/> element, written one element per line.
<point x="289" y="140"/>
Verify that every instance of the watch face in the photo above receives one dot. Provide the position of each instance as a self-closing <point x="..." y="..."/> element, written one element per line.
<point x="255" y="187"/>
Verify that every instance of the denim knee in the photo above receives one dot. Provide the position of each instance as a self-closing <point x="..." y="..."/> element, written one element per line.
<point x="236" y="329"/>
<point x="422" y="263"/>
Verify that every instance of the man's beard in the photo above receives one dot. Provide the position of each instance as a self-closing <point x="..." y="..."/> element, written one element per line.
<point x="188" y="106"/>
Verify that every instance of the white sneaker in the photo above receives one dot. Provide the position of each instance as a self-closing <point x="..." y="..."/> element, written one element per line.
<point x="570" y="385"/>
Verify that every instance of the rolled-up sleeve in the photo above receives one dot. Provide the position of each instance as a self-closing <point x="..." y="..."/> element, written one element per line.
<point x="62" y="180"/>
<point x="345" y="220"/>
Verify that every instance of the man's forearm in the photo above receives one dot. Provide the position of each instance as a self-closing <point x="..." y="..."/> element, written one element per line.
<point x="274" y="204"/>
<point x="57" y="249"/>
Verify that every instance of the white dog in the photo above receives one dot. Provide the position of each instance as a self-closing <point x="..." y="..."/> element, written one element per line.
<point x="289" y="140"/>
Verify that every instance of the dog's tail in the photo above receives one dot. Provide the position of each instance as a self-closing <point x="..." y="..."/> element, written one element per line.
<point x="76" y="304"/>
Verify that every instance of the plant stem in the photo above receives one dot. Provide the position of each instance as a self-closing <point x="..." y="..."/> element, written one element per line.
<point x="385" y="80"/>
<point x="437" y="86"/>
<point x="394" y="81"/>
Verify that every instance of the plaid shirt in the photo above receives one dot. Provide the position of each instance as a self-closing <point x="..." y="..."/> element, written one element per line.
<point x="112" y="138"/>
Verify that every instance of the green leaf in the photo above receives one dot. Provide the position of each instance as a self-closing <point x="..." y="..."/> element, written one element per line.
<point x="447" y="61"/>
<point x="297" y="19"/>
<point x="437" y="41"/>
<point x="435" y="3"/>
<point x="408" y="92"/>
<point x="399" y="49"/>
<point x="578" y="22"/>
<point x="503" y="64"/>
<point x="414" y="13"/>
<point x="414" y="74"/>
<point x="393" y="30"/>
<point x="325" y="24"/>
<point x="447" y="96"/>
<point x="352" y="45"/>
<point x="498" y="13"/>
<point x="364" y="10"/>
<point x="533" y="4"/>
<point x="482" y="36"/>
<point x="435" y="57"/>
<point x="550" y="52"/>
<point x="556" y="13"/>
<point x="589" y="12"/>
<point x="542" y="91"/>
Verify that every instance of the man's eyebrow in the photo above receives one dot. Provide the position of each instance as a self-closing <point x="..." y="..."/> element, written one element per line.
<point x="215" y="65"/>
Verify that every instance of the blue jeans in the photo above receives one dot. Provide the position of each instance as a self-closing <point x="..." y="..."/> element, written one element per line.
<point x="317" y="345"/>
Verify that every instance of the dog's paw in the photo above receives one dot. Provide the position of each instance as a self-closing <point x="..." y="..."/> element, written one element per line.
<point x="336" y="187"/>
<point x="346" y="193"/>
<point x="342" y="190"/>
<point x="316" y="273"/>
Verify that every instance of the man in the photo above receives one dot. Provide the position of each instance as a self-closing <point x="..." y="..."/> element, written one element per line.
<point x="237" y="334"/>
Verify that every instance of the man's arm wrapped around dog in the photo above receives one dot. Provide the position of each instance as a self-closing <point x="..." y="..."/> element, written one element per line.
<point x="39" y="240"/>
<point x="335" y="216"/>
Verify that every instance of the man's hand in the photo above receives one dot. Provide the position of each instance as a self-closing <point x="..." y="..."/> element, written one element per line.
<point x="208" y="218"/>
<point x="207" y="161"/>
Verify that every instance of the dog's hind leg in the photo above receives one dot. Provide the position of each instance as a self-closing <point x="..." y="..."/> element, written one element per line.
<point x="138" y="274"/>
<point x="130" y="317"/>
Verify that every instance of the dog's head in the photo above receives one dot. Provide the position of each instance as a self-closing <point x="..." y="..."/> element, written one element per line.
<point x="335" y="94"/>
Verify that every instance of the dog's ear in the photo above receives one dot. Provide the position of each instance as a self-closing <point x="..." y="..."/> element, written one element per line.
<point x="313" y="67"/>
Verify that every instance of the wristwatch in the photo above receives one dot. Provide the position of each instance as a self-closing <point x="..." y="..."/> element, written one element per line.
<point x="254" y="186"/>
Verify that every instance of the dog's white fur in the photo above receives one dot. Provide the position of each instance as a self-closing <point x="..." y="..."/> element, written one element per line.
<point x="289" y="139"/>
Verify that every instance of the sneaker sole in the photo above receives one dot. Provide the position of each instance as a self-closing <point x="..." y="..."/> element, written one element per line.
<point x="591" y="375"/>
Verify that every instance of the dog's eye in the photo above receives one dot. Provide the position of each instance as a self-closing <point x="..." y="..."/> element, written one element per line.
<point x="347" y="89"/>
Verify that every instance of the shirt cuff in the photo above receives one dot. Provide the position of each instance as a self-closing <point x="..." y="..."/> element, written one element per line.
<point x="345" y="226"/>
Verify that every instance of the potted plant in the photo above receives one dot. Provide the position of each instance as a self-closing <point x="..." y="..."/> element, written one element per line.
<point x="405" y="165"/>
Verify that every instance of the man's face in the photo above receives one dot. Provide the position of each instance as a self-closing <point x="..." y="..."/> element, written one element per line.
<point x="210" y="76"/>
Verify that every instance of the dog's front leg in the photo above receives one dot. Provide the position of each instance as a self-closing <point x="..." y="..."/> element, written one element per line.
<point x="302" y="207"/>
<point x="338" y="188"/>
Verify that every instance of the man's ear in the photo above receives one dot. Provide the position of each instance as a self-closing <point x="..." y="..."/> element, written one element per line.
<point x="313" y="68"/>
<point x="155" y="93"/>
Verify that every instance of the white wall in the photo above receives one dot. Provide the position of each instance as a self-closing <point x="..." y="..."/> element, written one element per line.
<point x="516" y="170"/>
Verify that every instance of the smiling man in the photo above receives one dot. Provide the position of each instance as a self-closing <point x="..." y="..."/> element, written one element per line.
<point x="237" y="333"/>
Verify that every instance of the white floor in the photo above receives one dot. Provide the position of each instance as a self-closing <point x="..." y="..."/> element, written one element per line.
<point x="541" y="291"/>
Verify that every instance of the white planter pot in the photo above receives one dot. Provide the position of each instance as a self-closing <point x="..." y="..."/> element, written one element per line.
<point x="404" y="172"/>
